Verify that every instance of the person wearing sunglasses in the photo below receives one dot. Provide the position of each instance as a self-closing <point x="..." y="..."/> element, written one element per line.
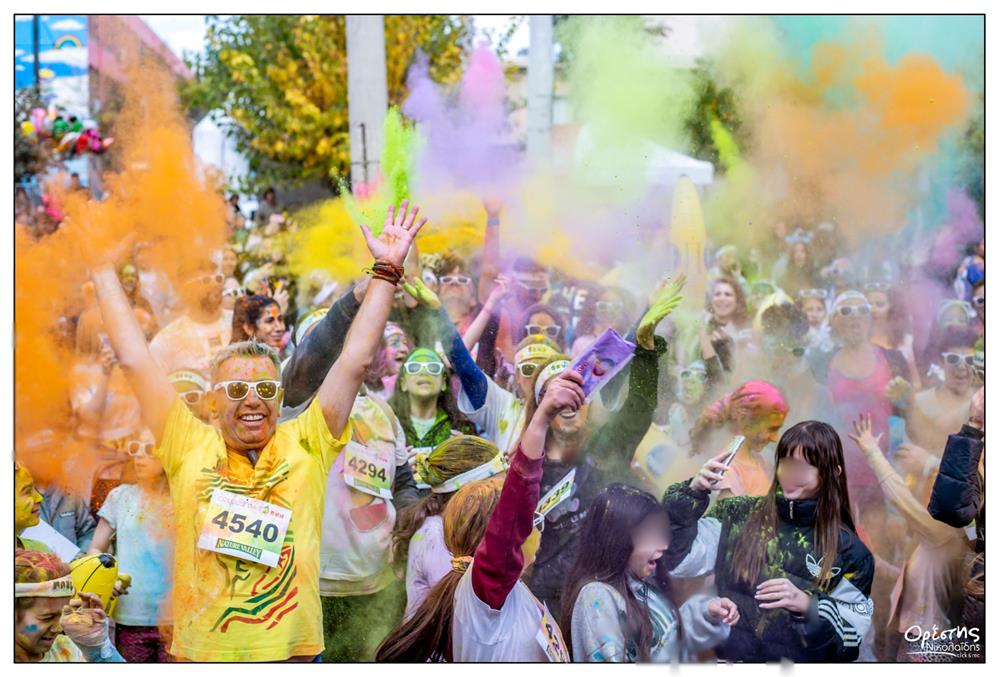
<point x="424" y="402"/>
<point x="597" y="454"/>
<point x="189" y="341"/>
<point x="456" y="290"/>
<point x="230" y="550"/>
<point x="138" y="519"/>
<point x="812" y="302"/>
<point x="857" y="374"/>
<point x="481" y="611"/>
<point x="543" y="320"/>
<point x="613" y="308"/>
<point x="932" y="412"/>
<point x="193" y="389"/>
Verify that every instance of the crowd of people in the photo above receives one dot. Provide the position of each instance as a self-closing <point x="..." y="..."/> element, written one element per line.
<point x="406" y="469"/>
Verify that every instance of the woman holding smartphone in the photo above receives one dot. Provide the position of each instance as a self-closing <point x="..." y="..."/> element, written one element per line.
<point x="791" y="560"/>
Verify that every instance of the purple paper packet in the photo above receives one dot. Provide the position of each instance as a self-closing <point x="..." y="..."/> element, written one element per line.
<point x="602" y="361"/>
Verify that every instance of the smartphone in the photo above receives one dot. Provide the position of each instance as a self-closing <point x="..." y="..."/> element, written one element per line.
<point x="733" y="449"/>
<point x="896" y="434"/>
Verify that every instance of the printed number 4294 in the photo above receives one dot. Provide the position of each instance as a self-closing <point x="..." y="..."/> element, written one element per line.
<point x="236" y="523"/>
<point x="362" y="467"/>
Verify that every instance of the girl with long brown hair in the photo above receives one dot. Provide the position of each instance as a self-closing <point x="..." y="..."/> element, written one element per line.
<point x="791" y="560"/>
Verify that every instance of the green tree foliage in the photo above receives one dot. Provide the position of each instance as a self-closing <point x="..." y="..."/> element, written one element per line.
<point x="282" y="82"/>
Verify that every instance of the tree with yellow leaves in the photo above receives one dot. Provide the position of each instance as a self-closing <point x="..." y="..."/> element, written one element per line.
<point x="278" y="84"/>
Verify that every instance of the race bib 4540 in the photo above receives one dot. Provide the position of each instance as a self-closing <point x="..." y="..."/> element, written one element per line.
<point x="244" y="527"/>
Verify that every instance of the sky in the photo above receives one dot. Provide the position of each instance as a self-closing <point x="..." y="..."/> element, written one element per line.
<point x="185" y="33"/>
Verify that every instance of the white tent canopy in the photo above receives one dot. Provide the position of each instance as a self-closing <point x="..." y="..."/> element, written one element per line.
<point x="663" y="166"/>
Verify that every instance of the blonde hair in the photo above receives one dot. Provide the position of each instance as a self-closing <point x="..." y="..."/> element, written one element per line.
<point x="252" y="348"/>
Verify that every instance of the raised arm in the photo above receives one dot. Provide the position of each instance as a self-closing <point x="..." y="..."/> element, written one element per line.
<point x="339" y="388"/>
<point x="310" y="362"/>
<point x="150" y="385"/>
<point x="489" y="308"/>
<point x="499" y="560"/>
<point x="490" y="249"/>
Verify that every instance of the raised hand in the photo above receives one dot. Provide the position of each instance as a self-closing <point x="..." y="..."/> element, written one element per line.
<point x="663" y="302"/>
<point x="564" y="392"/>
<point x="493" y="206"/>
<point x="499" y="293"/>
<point x="415" y="287"/>
<point x="401" y="227"/>
<point x="864" y="436"/>
<point x="899" y="392"/>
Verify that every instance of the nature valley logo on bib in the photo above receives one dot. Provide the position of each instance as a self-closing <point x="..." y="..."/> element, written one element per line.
<point x="244" y="527"/>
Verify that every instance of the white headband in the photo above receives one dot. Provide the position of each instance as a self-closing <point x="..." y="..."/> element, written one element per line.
<point x="850" y="295"/>
<point x="58" y="587"/>
<point x="484" y="471"/>
<point x="552" y="370"/>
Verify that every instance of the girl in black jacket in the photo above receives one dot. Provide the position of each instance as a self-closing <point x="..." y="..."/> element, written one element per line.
<point x="790" y="560"/>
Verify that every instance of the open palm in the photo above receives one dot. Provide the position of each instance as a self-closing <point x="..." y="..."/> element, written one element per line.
<point x="397" y="235"/>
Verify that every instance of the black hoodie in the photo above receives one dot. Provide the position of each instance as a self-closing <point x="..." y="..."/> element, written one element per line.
<point x="837" y="619"/>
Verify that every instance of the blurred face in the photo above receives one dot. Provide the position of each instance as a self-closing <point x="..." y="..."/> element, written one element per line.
<point x="723" y="301"/>
<point x="693" y="382"/>
<point x="228" y="262"/>
<point x="194" y="397"/>
<point x="852" y="322"/>
<point x="799" y="480"/>
<point x="978" y="300"/>
<point x="783" y="353"/>
<point x="39" y="625"/>
<point x="147" y="468"/>
<point x="880" y="306"/>
<point x="27" y="501"/>
<point x="610" y="309"/>
<point x="418" y="379"/>
<point x="530" y="288"/>
<point x="542" y="324"/>
<point x="204" y="290"/>
<point x="455" y="290"/>
<point x="841" y="272"/>
<point x="799" y="255"/>
<point x="248" y="423"/>
<point x="762" y="431"/>
<point x="815" y="310"/>
<point x="397" y="349"/>
<point x="649" y="540"/>
<point x="270" y="327"/>
<point x="959" y="376"/>
<point x="728" y="262"/>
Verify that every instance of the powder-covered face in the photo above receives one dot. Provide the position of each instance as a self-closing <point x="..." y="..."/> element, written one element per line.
<point x="39" y="625"/>
<point x="422" y="384"/>
<point x="249" y="423"/>
<point x="148" y="469"/>
<point x="799" y="255"/>
<point x="204" y="290"/>
<point x="763" y="430"/>
<point x="397" y="349"/>
<point x="958" y="378"/>
<point x="799" y="479"/>
<point x="693" y="383"/>
<point x="855" y="328"/>
<point x="723" y="301"/>
<point x="571" y="422"/>
<point x="27" y="501"/>
<point x="815" y="311"/>
<point x="649" y="541"/>
<point x="530" y="288"/>
<point x="270" y="327"/>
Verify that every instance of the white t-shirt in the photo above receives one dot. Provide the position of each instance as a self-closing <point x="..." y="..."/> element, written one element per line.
<point x="429" y="560"/>
<point x="482" y="634"/>
<point x="144" y="545"/>
<point x="357" y="527"/>
<point x="422" y="425"/>
<point x="500" y="418"/>
<point x="186" y="344"/>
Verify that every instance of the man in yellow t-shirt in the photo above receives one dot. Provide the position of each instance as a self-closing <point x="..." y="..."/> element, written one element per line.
<point x="249" y="494"/>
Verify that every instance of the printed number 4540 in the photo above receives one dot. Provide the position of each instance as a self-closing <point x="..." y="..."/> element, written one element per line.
<point x="236" y="523"/>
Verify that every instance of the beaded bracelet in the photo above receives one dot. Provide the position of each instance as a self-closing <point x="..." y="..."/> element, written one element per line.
<point x="386" y="271"/>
